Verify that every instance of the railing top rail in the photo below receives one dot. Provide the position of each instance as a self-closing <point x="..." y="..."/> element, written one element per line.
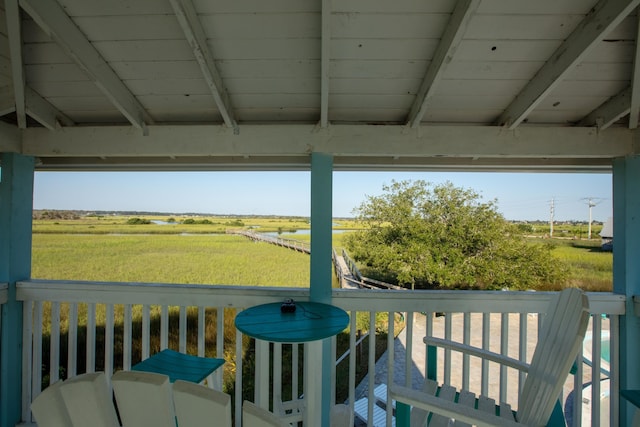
<point x="467" y="301"/>
<point x="246" y="296"/>
<point x="3" y="292"/>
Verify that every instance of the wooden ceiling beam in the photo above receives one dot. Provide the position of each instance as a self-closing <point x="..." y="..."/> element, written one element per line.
<point x="195" y="35"/>
<point x="53" y="20"/>
<point x="634" y="108"/>
<point x="610" y="111"/>
<point x="604" y="17"/>
<point x="14" y="35"/>
<point x="457" y="26"/>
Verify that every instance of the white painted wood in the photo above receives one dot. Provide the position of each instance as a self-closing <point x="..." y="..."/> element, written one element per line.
<point x="88" y="400"/>
<point x="474" y="141"/>
<point x="54" y="343"/>
<point x="108" y="340"/>
<point x="610" y="111"/>
<point x="45" y="113"/>
<point x="91" y="337"/>
<point x="146" y="333"/>
<point x="126" y="337"/>
<point x="144" y="399"/>
<point x="465" y="357"/>
<point x="164" y="327"/>
<point x="504" y="350"/>
<point x="606" y="15"/>
<point x="182" y="330"/>
<point x="486" y="330"/>
<point x="238" y="379"/>
<point x="261" y="397"/>
<point x="49" y="409"/>
<point x="522" y="346"/>
<point x="371" y="367"/>
<point x="447" y="352"/>
<point x="72" y="344"/>
<point x="14" y="33"/>
<point x="352" y="359"/>
<point x="390" y="365"/>
<point x="54" y="21"/>
<point x="195" y="35"/>
<point x="219" y="344"/>
<point x="325" y="56"/>
<point x="408" y="362"/>
<point x="451" y="38"/>
<point x="634" y="109"/>
<point x="36" y="367"/>
<point x="196" y="405"/>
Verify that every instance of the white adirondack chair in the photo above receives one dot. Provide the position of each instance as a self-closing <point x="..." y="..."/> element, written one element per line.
<point x="88" y="400"/>
<point x="144" y="399"/>
<point x="255" y="416"/>
<point x="197" y="405"/>
<point x="49" y="408"/>
<point x="559" y="343"/>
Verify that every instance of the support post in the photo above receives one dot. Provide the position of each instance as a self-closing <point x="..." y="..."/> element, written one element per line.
<point x="16" y="206"/>
<point x="626" y="271"/>
<point x="321" y="247"/>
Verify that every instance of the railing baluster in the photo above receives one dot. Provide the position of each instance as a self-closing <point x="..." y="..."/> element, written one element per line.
<point x="614" y="377"/>
<point x="54" y="343"/>
<point x="522" y="347"/>
<point x="352" y="359"/>
<point x="182" y="330"/>
<point x="486" y="335"/>
<point x="447" y="352"/>
<point x="466" y="339"/>
<point x="146" y="331"/>
<point x="390" y="360"/>
<point x="91" y="337"/>
<point x="219" y="344"/>
<point x="72" y="343"/>
<point x="371" y="372"/>
<point x="126" y="338"/>
<point x="164" y="327"/>
<point x="277" y="378"/>
<point x="295" y="381"/>
<point x="596" y="352"/>
<point x="504" y="349"/>
<point x="108" y="341"/>
<point x="408" y="359"/>
<point x="238" y="394"/>
<point x="36" y="385"/>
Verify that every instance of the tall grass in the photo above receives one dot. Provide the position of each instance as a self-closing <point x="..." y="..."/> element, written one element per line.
<point x="186" y="259"/>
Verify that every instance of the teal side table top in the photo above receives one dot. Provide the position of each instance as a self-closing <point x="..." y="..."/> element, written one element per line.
<point x="310" y="322"/>
<point x="179" y="366"/>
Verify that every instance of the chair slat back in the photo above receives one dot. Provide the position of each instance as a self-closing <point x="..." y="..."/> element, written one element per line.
<point x="197" y="405"/>
<point x="144" y="399"/>
<point x="563" y="331"/>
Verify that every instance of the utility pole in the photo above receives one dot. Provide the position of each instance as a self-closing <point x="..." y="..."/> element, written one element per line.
<point x="551" y="219"/>
<point x="591" y="202"/>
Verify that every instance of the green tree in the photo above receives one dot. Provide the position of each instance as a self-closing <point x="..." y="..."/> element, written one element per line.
<point x="420" y="235"/>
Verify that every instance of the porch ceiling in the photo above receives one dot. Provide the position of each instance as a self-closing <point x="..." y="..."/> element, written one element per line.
<point x="252" y="84"/>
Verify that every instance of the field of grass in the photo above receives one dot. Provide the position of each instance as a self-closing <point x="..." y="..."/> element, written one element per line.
<point x="187" y="259"/>
<point x="590" y="268"/>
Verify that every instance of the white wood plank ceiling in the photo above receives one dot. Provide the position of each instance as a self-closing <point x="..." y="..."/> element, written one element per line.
<point x="253" y="84"/>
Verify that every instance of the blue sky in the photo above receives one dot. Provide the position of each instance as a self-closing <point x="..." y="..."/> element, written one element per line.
<point x="520" y="196"/>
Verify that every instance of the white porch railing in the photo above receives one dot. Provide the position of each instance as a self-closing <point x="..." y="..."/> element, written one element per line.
<point x="140" y="319"/>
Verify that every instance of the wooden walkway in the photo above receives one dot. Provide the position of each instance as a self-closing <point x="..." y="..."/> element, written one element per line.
<point x="346" y="269"/>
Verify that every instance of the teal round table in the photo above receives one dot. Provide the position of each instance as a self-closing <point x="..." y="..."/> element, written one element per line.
<point x="311" y="321"/>
<point x="310" y="324"/>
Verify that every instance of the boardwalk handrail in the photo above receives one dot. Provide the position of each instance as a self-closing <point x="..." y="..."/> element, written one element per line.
<point x="296" y="245"/>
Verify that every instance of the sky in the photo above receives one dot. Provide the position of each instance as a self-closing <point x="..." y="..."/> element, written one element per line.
<point x="520" y="196"/>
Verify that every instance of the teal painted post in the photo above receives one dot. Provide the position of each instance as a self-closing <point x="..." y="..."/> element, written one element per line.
<point x="626" y="271"/>
<point x="16" y="205"/>
<point x="320" y="286"/>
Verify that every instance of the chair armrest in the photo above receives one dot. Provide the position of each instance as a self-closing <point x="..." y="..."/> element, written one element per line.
<point x="447" y="408"/>
<point x="478" y="352"/>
